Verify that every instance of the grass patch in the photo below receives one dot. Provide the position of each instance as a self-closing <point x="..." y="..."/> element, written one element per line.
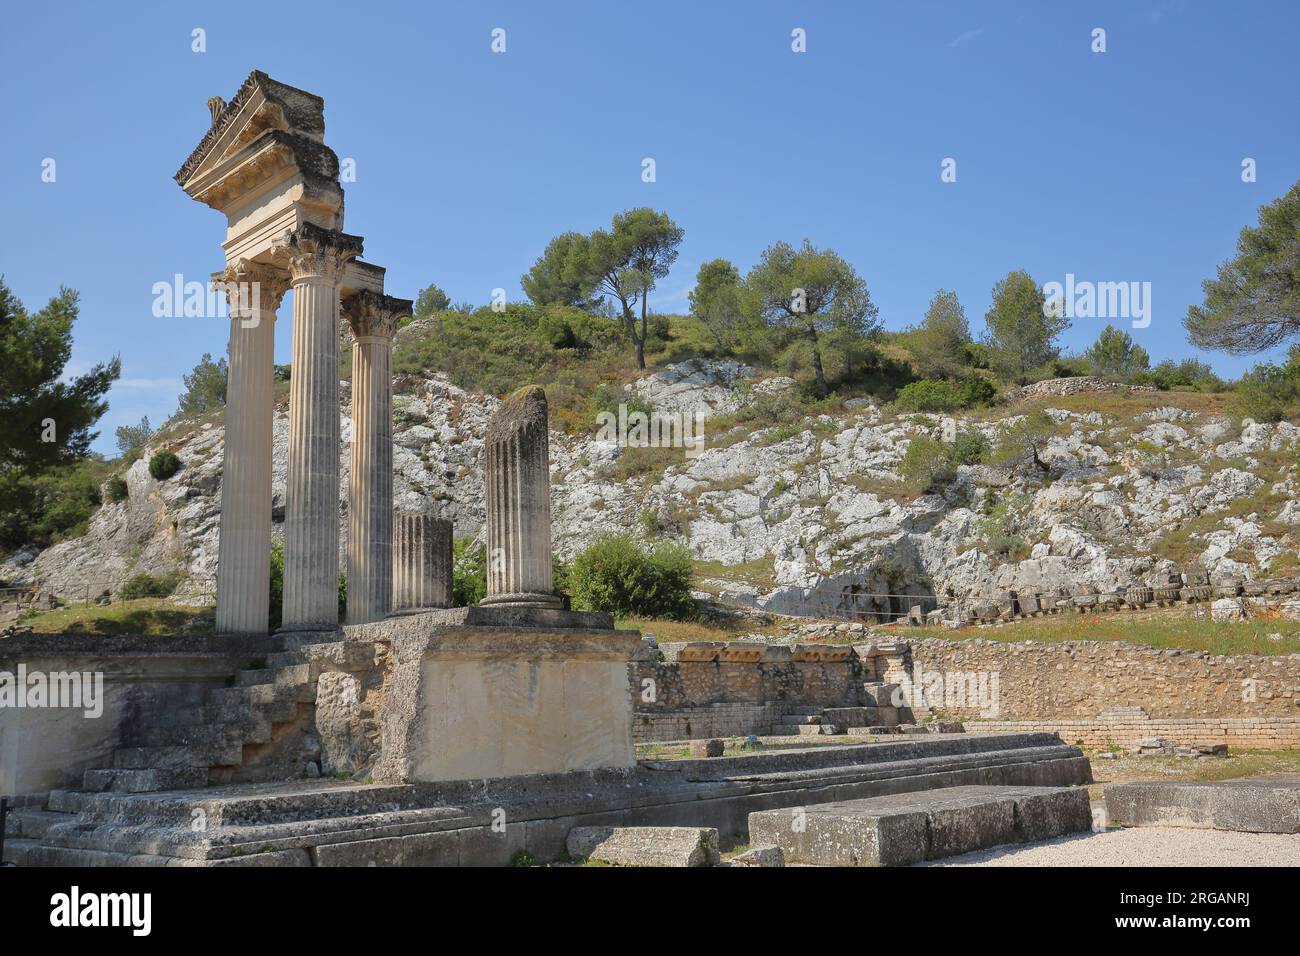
<point x="761" y="572"/>
<point x="1238" y="764"/>
<point x="152" y="617"/>
<point x="704" y="629"/>
<point x="1162" y="629"/>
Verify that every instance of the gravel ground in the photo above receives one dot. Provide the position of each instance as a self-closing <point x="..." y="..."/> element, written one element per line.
<point x="1143" y="846"/>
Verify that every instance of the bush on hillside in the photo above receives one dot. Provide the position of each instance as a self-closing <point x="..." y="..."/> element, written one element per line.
<point x="1268" y="392"/>
<point x="163" y="465"/>
<point x="116" y="489"/>
<point x="927" y="464"/>
<point x="149" y="585"/>
<point x="618" y="575"/>
<point x="468" y="572"/>
<point x="942" y="395"/>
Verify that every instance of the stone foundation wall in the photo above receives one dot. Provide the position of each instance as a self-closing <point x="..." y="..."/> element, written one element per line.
<point x="1074" y="385"/>
<point x="739" y="688"/>
<point x="714" y="720"/>
<point x="1242" y="733"/>
<point x="1083" y="679"/>
<point x="699" y="684"/>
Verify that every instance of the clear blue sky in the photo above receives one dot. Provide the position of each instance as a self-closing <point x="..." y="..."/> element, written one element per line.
<point x="1116" y="166"/>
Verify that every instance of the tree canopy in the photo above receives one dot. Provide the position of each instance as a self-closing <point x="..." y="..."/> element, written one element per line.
<point x="1116" y="355"/>
<point x="430" y="300"/>
<point x="205" y="387"/>
<point x="1022" y="332"/>
<point x="1254" y="303"/>
<point x="45" y="418"/>
<point x="812" y="293"/>
<point x="940" y="342"/>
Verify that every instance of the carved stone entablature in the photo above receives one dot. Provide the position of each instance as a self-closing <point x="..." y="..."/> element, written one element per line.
<point x="316" y="253"/>
<point x="373" y="314"/>
<point x="252" y="286"/>
<point x="264" y="136"/>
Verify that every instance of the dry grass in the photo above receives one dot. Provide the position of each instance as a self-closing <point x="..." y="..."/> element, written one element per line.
<point x="1238" y="764"/>
<point x="1173" y="628"/>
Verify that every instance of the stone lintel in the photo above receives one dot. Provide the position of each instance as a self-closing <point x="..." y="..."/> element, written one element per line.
<point x="360" y="277"/>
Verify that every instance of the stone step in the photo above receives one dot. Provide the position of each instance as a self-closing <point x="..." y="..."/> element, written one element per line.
<point x="145" y="781"/>
<point x="230" y="710"/>
<point x="844" y="717"/>
<point x="875" y="730"/>
<point x="905" y="828"/>
<point x="255" y="677"/>
<point x="1247" y="804"/>
<point x="881" y="694"/>
<point x="168" y="758"/>
<point x="67" y="801"/>
<point x="294" y="681"/>
<point x="645" y="846"/>
<point x="250" y="727"/>
<point x="31" y="823"/>
<point x="17" y="850"/>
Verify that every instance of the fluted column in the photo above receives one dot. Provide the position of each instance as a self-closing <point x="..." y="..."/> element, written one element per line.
<point x="517" y="485"/>
<point x="316" y="259"/>
<point x="244" y="549"/>
<point x="422" y="560"/>
<point x="373" y="318"/>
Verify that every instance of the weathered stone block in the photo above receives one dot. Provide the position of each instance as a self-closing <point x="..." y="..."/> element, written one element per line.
<point x="1254" y="805"/>
<point x="645" y="846"/>
<point x="907" y="828"/>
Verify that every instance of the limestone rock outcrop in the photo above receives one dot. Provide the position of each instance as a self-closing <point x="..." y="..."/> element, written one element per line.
<point x="789" y="521"/>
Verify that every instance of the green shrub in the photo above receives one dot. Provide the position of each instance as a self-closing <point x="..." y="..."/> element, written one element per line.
<point x="277" y="584"/>
<point x="617" y="575"/>
<point x="116" y="490"/>
<point x="969" y="448"/>
<point x="927" y="464"/>
<point x="941" y="395"/>
<point x="149" y="585"/>
<point x="468" y="572"/>
<point x="163" y="465"/>
<point x="977" y="391"/>
<point x="1268" y="392"/>
<point x="929" y="395"/>
<point x="998" y="527"/>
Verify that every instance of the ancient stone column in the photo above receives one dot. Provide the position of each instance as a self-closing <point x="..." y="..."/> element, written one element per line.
<point x="421" y="561"/>
<point x="316" y="259"/>
<point x="373" y="317"/>
<point x="244" y="550"/>
<point x="517" y="485"/>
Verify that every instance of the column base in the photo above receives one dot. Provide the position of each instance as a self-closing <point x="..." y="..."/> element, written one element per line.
<point x="523" y="599"/>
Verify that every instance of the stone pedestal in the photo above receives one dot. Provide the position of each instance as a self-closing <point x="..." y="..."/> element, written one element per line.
<point x="373" y="318"/>
<point x="316" y="258"/>
<point x="244" y="550"/>
<point x="517" y="484"/>
<point x="422" y="561"/>
<point x="489" y="692"/>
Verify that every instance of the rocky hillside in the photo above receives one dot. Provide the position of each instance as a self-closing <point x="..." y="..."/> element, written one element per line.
<point x="795" y="517"/>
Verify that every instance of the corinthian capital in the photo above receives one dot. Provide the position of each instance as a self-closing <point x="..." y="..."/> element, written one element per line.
<point x="314" y="252"/>
<point x="373" y="314"/>
<point x="252" y="286"/>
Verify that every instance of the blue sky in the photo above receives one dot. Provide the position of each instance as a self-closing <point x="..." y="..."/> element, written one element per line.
<point x="1118" y="166"/>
